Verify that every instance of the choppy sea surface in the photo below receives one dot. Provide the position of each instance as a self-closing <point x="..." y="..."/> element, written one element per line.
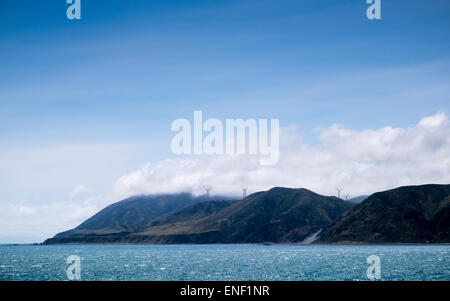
<point x="225" y="262"/>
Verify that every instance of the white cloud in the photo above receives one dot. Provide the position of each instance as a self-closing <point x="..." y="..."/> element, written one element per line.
<point x="78" y="191"/>
<point x="361" y="162"/>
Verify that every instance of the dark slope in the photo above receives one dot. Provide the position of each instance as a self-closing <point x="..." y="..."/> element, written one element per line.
<point x="412" y="214"/>
<point x="277" y="215"/>
<point x="132" y="214"/>
<point x="193" y="212"/>
<point x="183" y="221"/>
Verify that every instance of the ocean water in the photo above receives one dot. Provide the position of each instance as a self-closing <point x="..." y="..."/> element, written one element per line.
<point x="225" y="262"/>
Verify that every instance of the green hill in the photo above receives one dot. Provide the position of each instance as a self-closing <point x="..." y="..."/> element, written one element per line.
<point x="412" y="214"/>
<point x="277" y="215"/>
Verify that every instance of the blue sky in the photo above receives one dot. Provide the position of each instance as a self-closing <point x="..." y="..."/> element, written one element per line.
<point x="126" y="70"/>
<point x="118" y="77"/>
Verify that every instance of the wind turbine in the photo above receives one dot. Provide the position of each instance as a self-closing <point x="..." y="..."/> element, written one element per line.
<point x="207" y="189"/>
<point x="339" y="191"/>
